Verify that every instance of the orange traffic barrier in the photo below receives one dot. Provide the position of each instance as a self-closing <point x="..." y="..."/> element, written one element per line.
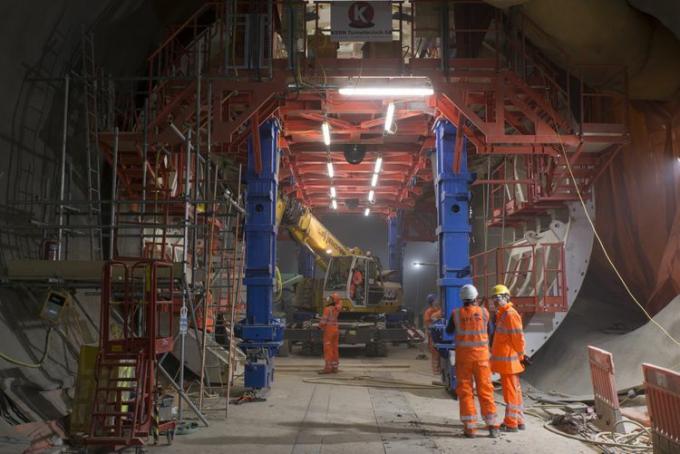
<point x="662" y="387"/>
<point x="604" y="389"/>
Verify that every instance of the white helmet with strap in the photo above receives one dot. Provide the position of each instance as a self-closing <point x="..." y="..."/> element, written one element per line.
<point x="468" y="292"/>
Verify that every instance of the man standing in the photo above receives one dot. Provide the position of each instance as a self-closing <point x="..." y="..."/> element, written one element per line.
<point x="331" y="334"/>
<point x="507" y="357"/>
<point x="470" y="324"/>
<point x="432" y="313"/>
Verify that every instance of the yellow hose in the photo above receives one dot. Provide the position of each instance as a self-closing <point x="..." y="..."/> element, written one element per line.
<point x="17" y="362"/>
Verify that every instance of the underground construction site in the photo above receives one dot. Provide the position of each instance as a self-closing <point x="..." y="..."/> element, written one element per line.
<point x="295" y="226"/>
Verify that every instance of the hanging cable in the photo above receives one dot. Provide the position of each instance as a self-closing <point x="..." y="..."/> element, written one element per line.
<point x="40" y="362"/>
<point x="604" y="249"/>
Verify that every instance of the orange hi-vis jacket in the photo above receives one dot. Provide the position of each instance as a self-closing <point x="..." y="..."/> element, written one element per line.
<point x="329" y="318"/>
<point x="431" y="314"/>
<point x="508" y="343"/>
<point x="472" y="335"/>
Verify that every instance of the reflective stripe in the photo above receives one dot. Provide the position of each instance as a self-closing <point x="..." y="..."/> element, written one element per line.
<point x="470" y="333"/>
<point x="456" y="318"/>
<point x="490" y="419"/>
<point x="471" y="344"/>
<point x="485" y="317"/>
<point x="505" y="358"/>
<point x="468" y="418"/>
<point x="515" y="407"/>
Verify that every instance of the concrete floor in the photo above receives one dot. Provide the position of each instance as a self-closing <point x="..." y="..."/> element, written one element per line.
<point x="301" y="417"/>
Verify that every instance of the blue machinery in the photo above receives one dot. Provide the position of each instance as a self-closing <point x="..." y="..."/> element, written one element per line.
<point x="452" y="192"/>
<point x="260" y="332"/>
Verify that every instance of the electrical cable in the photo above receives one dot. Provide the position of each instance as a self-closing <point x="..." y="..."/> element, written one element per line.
<point x="604" y="250"/>
<point x="596" y="442"/>
<point x="40" y="362"/>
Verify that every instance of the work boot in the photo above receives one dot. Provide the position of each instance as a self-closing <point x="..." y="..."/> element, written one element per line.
<point x="506" y="428"/>
<point x="493" y="432"/>
<point x="469" y="434"/>
<point x="521" y="426"/>
<point x="335" y="370"/>
<point x="325" y="371"/>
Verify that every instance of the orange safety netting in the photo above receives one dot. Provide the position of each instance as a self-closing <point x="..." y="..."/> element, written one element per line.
<point x="638" y="209"/>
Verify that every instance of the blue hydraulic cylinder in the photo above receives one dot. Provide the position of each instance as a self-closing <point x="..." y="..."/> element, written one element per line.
<point x="261" y="334"/>
<point x="395" y="243"/>
<point x="306" y="262"/>
<point x="452" y="193"/>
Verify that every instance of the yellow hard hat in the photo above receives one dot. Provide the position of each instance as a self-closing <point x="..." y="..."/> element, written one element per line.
<point x="500" y="289"/>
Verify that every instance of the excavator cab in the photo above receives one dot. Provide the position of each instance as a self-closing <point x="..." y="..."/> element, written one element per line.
<point x="357" y="279"/>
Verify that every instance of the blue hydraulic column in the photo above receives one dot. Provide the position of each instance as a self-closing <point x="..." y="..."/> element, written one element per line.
<point x="260" y="333"/>
<point x="306" y="262"/>
<point x="452" y="191"/>
<point x="395" y="243"/>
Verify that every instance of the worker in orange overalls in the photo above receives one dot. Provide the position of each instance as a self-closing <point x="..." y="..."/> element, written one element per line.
<point x="470" y="324"/>
<point x="331" y="334"/>
<point x="356" y="285"/>
<point x="432" y="313"/>
<point x="508" y="358"/>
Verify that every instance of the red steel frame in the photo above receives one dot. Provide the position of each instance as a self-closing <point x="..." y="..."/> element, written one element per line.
<point x="604" y="389"/>
<point x="547" y="285"/>
<point x="662" y="387"/>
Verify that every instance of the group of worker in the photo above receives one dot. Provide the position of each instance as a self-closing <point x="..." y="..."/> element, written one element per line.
<point x="480" y="351"/>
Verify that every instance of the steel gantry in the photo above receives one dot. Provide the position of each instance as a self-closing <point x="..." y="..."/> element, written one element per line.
<point x="217" y="82"/>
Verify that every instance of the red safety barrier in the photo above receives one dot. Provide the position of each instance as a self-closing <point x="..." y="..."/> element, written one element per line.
<point x="662" y="387"/>
<point x="604" y="389"/>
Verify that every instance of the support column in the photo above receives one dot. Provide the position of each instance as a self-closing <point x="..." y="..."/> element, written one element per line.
<point x="260" y="333"/>
<point x="306" y="262"/>
<point x="395" y="244"/>
<point x="452" y="191"/>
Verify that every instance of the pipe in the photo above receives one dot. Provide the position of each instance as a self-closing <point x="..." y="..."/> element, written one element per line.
<point x="62" y="172"/>
<point x="183" y="397"/>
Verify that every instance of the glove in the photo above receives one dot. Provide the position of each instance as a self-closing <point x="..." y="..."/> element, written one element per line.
<point x="526" y="361"/>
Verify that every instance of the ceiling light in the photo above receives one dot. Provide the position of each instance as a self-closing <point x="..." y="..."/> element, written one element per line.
<point x="389" y="117"/>
<point x="326" y="130"/>
<point x="331" y="171"/>
<point x="333" y="191"/>
<point x="334" y="204"/>
<point x="374" y="180"/>
<point x="378" y="165"/>
<point x="386" y="91"/>
<point x="329" y="251"/>
<point x="367" y="211"/>
<point x="371" y="195"/>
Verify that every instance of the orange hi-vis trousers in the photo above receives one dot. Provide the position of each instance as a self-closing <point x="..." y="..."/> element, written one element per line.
<point x="480" y="371"/>
<point x="331" y="355"/>
<point x="512" y="395"/>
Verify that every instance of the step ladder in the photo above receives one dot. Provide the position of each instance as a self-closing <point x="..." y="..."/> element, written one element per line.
<point x="121" y="413"/>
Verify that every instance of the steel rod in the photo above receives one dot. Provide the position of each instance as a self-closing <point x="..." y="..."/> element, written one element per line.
<point x="62" y="169"/>
<point x="183" y="396"/>
<point x="114" y="176"/>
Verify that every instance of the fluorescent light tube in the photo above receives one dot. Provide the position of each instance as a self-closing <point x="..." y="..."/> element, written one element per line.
<point x="326" y="130"/>
<point x="374" y="180"/>
<point x="378" y="165"/>
<point x="389" y="117"/>
<point x="386" y="91"/>
<point x="371" y="195"/>
<point x="332" y="191"/>
<point x="367" y="211"/>
<point x="329" y="166"/>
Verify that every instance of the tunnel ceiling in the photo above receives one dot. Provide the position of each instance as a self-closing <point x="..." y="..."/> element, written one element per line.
<point x="640" y="34"/>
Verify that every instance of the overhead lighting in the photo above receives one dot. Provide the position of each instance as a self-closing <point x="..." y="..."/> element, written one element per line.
<point x="378" y="165"/>
<point x="374" y="180"/>
<point x="386" y="91"/>
<point x="371" y="195"/>
<point x="416" y="264"/>
<point x="367" y="211"/>
<point x="331" y="171"/>
<point x="329" y="251"/>
<point x="334" y="204"/>
<point x="389" y="117"/>
<point x="326" y="130"/>
<point x="333" y="191"/>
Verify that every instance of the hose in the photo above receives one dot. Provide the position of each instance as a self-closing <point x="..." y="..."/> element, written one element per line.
<point x="279" y="284"/>
<point x="595" y="442"/>
<point x="20" y="363"/>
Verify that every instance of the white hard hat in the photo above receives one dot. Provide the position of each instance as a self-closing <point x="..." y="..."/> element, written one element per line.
<point x="468" y="292"/>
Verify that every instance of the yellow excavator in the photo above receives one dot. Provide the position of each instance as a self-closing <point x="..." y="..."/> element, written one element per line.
<point x="372" y="304"/>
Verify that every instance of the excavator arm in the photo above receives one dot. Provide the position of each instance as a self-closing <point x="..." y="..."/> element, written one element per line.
<point x="307" y="230"/>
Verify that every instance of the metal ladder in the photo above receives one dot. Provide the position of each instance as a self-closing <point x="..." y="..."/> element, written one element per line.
<point x="89" y="76"/>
